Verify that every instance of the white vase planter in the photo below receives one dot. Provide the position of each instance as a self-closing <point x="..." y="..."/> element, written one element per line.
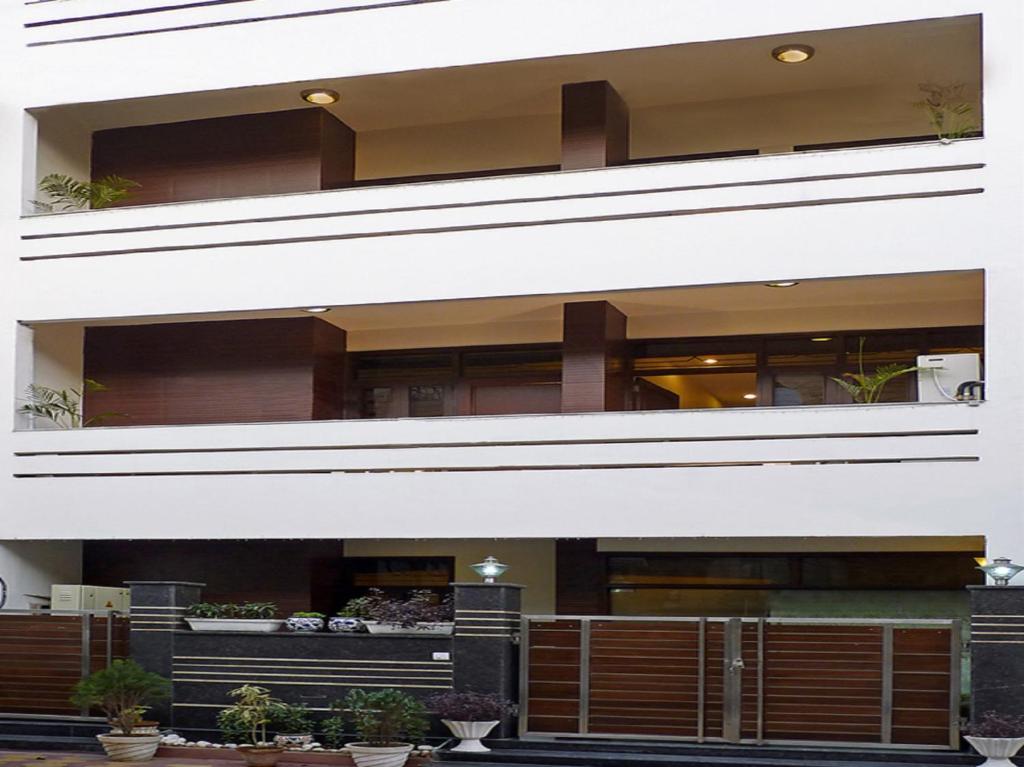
<point x="248" y="625"/>
<point x="420" y="629"/>
<point x="129" y="748"/>
<point x="997" y="750"/>
<point x="469" y="734"/>
<point x="379" y="756"/>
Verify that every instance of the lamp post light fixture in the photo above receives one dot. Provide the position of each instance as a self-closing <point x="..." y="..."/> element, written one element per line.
<point x="489" y="569"/>
<point x="1000" y="569"/>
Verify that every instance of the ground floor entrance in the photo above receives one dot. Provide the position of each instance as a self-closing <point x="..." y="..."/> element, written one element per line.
<point x="883" y="682"/>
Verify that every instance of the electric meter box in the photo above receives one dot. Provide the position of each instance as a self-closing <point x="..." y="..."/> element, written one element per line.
<point x="79" y="597"/>
<point x="939" y="375"/>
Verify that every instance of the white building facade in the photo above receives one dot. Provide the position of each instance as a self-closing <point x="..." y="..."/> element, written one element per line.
<point x="764" y="218"/>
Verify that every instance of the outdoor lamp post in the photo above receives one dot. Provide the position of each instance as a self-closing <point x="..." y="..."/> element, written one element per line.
<point x="489" y="569"/>
<point x="1001" y="570"/>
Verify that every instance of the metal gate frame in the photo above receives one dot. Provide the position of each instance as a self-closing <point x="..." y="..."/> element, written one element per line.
<point x="733" y="678"/>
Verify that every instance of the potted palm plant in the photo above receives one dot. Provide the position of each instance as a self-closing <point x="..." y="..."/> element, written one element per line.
<point x="996" y="737"/>
<point x="124" y="691"/>
<point x="254" y="617"/>
<point x="384" y="721"/>
<point x="470" y="716"/>
<point x="255" y="708"/>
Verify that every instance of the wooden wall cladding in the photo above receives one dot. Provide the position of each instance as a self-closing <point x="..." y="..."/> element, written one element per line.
<point x="236" y="371"/>
<point x="298" y="150"/>
<point x="595" y="126"/>
<point x="554" y="676"/>
<point x="594" y="372"/>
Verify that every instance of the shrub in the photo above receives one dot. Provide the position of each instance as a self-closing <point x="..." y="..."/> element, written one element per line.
<point x="123" y="691"/>
<point x="334" y="732"/>
<point x="993" y="725"/>
<point x="249" y="610"/>
<point x="254" y="709"/>
<point x="385" y="717"/>
<point x="321" y="616"/>
<point x="232" y="726"/>
<point x="469" y="706"/>
<point x="292" y="720"/>
<point x="419" y="607"/>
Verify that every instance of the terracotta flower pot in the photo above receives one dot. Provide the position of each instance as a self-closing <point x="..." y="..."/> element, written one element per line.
<point x="997" y="750"/>
<point x="260" y="756"/>
<point x="365" y="755"/>
<point x="469" y="734"/>
<point x="129" y="748"/>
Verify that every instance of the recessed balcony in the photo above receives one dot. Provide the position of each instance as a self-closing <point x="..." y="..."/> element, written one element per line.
<point x="698" y="101"/>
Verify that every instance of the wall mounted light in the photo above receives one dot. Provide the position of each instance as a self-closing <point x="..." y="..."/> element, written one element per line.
<point x="320" y="96"/>
<point x="1001" y="570"/>
<point x="489" y="569"/>
<point x="317" y="309"/>
<point x="792" y="53"/>
<point x="788" y="284"/>
<point x="822" y="339"/>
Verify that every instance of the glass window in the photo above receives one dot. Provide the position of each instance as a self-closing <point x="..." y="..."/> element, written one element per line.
<point x="378" y="402"/>
<point x="426" y="401"/>
<point x="798" y="389"/>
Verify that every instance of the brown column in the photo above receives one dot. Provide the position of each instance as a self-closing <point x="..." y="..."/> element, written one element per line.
<point x="595" y="126"/>
<point x="594" y="374"/>
<point x="581" y="578"/>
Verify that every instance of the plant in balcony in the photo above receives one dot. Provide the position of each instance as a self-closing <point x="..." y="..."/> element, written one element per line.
<point x="470" y="716"/>
<point x="124" y="691"/>
<point x="350" y="618"/>
<point x="63" y="407"/>
<point x="419" y="614"/>
<point x="867" y="388"/>
<point x="254" y="708"/>
<point x="251" y="617"/>
<point x="67" y="193"/>
<point x="305" y="622"/>
<point x="996" y="737"/>
<point x="293" y="725"/>
<point x="384" y="721"/>
<point x="949" y="111"/>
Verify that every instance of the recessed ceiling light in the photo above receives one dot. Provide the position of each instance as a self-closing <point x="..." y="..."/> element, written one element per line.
<point x="821" y="339"/>
<point x="780" y="284"/>
<point x="710" y="361"/>
<point x="749" y="396"/>
<point x="321" y="96"/>
<point x="792" y="53"/>
<point x="317" y="309"/>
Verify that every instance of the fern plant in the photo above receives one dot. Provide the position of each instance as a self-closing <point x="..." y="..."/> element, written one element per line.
<point x="950" y="112"/>
<point x="67" y="193"/>
<point x="867" y="388"/>
<point x="63" y="407"/>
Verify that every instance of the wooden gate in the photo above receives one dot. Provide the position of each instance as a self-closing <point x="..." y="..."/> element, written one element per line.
<point x="882" y="682"/>
<point x="43" y="654"/>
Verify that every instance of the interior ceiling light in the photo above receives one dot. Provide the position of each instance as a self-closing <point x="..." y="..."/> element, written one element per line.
<point x="710" y="361"/>
<point x="321" y="96"/>
<point x="792" y="53"/>
<point x="822" y="339"/>
<point x="780" y="284"/>
<point x="317" y="309"/>
<point x="749" y="396"/>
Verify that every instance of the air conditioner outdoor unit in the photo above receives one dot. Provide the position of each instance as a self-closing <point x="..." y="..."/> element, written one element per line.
<point x="79" y="597"/>
<point x="949" y="378"/>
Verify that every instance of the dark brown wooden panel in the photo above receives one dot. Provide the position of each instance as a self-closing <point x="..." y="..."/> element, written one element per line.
<point x="594" y="370"/>
<point x="298" y="150"/>
<point x="580" y="577"/>
<point x="595" y="126"/>
<point x="236" y="371"/>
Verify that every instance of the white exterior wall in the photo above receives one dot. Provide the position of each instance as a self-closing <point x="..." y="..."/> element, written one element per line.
<point x="959" y="207"/>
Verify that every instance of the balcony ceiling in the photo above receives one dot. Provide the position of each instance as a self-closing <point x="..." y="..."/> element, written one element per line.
<point x="888" y="60"/>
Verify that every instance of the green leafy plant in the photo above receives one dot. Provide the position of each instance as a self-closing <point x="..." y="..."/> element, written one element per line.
<point x="334" y="732"/>
<point x="359" y="607"/>
<point x="254" y="708"/>
<point x="248" y="610"/>
<point x="123" y="691"/>
<point x="308" y="615"/>
<point x="63" y="406"/>
<point x="867" y="388"/>
<point x="385" y="717"/>
<point x="950" y="111"/>
<point x="232" y="726"/>
<point x="292" y="720"/>
<point x="67" y="193"/>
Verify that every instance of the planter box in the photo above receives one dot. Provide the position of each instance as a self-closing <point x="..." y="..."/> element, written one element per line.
<point x="247" y="625"/>
<point x="420" y="629"/>
<point x="288" y="757"/>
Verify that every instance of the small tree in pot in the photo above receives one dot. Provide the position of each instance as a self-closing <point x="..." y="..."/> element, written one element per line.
<point x="996" y="737"/>
<point x="254" y="708"/>
<point x="470" y="716"/>
<point x="124" y="691"/>
<point x="384" y="720"/>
